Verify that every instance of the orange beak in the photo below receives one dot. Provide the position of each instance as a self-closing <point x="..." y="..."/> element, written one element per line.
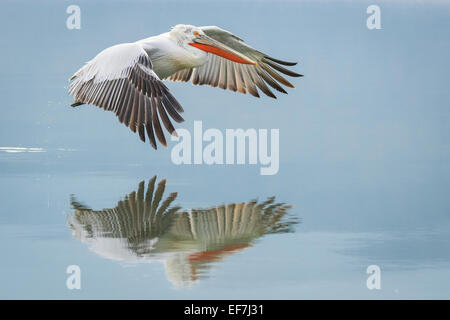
<point x="208" y="44"/>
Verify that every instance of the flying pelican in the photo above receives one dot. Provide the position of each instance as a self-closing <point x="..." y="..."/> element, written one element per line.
<point x="127" y="78"/>
<point x="146" y="226"/>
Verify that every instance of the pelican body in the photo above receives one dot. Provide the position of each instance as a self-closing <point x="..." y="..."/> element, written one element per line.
<point x="128" y="78"/>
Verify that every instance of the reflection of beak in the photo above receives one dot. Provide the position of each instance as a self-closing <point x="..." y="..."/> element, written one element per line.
<point x="208" y="44"/>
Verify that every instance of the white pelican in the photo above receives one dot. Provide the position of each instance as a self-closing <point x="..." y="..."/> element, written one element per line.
<point x="145" y="227"/>
<point x="127" y="78"/>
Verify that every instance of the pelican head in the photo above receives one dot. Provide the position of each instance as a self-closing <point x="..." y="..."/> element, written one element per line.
<point x="193" y="38"/>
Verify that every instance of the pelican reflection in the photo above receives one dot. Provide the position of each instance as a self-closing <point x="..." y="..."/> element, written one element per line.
<point x="144" y="227"/>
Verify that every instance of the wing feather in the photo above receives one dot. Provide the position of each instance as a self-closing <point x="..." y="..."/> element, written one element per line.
<point x="250" y="85"/>
<point x="121" y="79"/>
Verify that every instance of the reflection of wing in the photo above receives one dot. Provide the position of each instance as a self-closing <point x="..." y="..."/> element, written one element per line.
<point x="226" y="74"/>
<point x="226" y="229"/>
<point x="121" y="79"/>
<point x="234" y="222"/>
<point x="138" y="218"/>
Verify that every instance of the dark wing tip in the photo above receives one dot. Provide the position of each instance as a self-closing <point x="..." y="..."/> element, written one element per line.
<point x="280" y="68"/>
<point x="76" y="104"/>
<point x="285" y="63"/>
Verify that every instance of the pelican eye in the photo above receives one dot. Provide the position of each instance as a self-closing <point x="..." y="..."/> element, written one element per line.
<point x="195" y="33"/>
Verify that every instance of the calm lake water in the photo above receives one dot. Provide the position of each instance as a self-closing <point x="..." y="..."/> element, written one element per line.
<point x="364" y="171"/>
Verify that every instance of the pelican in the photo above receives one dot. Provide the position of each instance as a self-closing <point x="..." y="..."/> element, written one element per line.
<point x="127" y="78"/>
<point x="145" y="226"/>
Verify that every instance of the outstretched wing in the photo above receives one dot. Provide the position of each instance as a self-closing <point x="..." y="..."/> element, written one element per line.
<point x="141" y="216"/>
<point x="226" y="74"/>
<point x="121" y="79"/>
